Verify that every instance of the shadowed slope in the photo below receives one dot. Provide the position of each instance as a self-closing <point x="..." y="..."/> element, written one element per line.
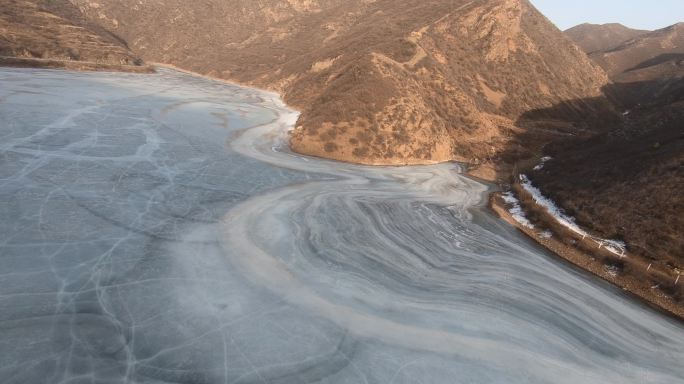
<point x="626" y="183"/>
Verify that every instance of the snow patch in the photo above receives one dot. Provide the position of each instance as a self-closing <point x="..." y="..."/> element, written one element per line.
<point x="550" y="206"/>
<point x="612" y="270"/>
<point x="614" y="246"/>
<point x="516" y="211"/>
<point x="541" y="164"/>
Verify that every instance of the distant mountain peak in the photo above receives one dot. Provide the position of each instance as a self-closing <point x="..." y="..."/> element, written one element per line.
<point x="651" y="50"/>
<point x="601" y="37"/>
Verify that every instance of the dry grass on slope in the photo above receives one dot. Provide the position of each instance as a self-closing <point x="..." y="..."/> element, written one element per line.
<point x="602" y="37"/>
<point x="638" y="52"/>
<point x="43" y="29"/>
<point x="626" y="184"/>
<point x="381" y="82"/>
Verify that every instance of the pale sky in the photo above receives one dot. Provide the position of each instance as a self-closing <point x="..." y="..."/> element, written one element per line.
<point x="638" y="14"/>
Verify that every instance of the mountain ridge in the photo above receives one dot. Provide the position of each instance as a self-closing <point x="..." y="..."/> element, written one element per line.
<point x="601" y="37"/>
<point x="377" y="81"/>
<point x="633" y="52"/>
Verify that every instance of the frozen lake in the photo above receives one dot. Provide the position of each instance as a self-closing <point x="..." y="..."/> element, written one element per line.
<point x="155" y="229"/>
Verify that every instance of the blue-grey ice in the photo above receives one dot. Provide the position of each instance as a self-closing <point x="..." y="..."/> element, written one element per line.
<point x="155" y="229"/>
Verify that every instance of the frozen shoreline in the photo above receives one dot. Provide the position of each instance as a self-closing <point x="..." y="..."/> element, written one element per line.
<point x="617" y="248"/>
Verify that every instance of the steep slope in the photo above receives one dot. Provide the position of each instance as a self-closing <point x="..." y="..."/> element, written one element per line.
<point x="377" y="81"/>
<point x="601" y="37"/>
<point x="626" y="183"/>
<point x="56" y="30"/>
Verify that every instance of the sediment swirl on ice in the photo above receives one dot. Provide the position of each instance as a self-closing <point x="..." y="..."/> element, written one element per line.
<point x="396" y="255"/>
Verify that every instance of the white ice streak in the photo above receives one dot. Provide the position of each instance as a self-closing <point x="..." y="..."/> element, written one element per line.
<point x="614" y="246"/>
<point x="515" y="210"/>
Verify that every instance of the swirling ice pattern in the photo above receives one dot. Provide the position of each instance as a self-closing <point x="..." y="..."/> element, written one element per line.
<point x="136" y="247"/>
<point x="394" y="254"/>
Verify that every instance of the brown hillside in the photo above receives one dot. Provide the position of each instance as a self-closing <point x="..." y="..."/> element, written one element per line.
<point x="55" y="30"/>
<point x="653" y="48"/>
<point x="648" y="67"/>
<point x="377" y="81"/>
<point x="601" y="37"/>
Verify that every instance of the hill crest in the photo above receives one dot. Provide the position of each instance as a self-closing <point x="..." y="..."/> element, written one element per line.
<point x="377" y="81"/>
<point x="601" y="37"/>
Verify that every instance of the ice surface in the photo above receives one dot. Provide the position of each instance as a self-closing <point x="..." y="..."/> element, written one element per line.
<point x="153" y="229"/>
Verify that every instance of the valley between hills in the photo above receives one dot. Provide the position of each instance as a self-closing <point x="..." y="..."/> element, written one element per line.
<point x="489" y="83"/>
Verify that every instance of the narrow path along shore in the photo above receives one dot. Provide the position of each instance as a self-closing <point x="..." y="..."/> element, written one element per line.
<point x="644" y="287"/>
